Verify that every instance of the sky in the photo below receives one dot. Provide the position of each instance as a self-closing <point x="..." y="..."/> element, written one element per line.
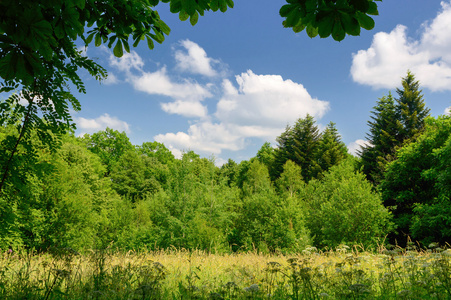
<point x="235" y="80"/>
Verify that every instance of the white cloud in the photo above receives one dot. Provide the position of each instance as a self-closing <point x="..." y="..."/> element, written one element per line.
<point x="355" y="146"/>
<point x="195" y="59"/>
<point x="111" y="79"/>
<point x="261" y="107"/>
<point x="447" y="111"/>
<point x="101" y="123"/>
<point x="267" y="101"/>
<point x="186" y="94"/>
<point x="159" y="83"/>
<point x="185" y="108"/>
<point x="204" y="137"/>
<point x="128" y="62"/>
<point x="392" y="54"/>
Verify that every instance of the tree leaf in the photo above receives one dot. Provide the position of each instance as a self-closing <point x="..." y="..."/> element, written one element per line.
<point x="118" y="52"/>
<point x="365" y="21"/>
<point x="311" y="31"/>
<point x="183" y="15"/>
<point x="194" y="18"/>
<point x="338" y="32"/>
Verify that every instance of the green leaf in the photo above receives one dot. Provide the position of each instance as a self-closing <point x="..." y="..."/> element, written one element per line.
<point x="325" y="25"/>
<point x="222" y="5"/>
<point x="372" y="10"/>
<point x="293" y="17"/>
<point x="175" y="6"/>
<point x="150" y="43"/>
<point x="299" y="27"/>
<point x="194" y="18"/>
<point x="98" y="40"/>
<point x="118" y="52"/>
<point x="285" y="10"/>
<point x="311" y="31"/>
<point x="189" y="6"/>
<point x="89" y="38"/>
<point x="365" y="21"/>
<point x="338" y="32"/>
<point x="163" y="27"/>
<point x="350" y="24"/>
<point x="214" y="5"/>
<point x="230" y="3"/>
<point x="183" y="15"/>
<point x="126" y="46"/>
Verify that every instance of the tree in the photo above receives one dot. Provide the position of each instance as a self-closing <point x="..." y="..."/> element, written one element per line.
<point x="109" y="145"/>
<point x="395" y="122"/>
<point x="383" y="139"/>
<point x="411" y="109"/>
<point x="343" y="208"/>
<point x="416" y="185"/>
<point x="326" y="17"/>
<point x="331" y="149"/>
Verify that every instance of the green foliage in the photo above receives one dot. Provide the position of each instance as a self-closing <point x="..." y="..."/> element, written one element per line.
<point x="109" y="145"/>
<point x="313" y="151"/>
<point x="417" y="184"/>
<point x="395" y="122"/>
<point x="331" y="150"/>
<point x="343" y="208"/>
<point x="383" y="139"/>
<point x="329" y="17"/>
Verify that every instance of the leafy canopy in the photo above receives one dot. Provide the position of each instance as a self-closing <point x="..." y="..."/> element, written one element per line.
<point x="329" y="17"/>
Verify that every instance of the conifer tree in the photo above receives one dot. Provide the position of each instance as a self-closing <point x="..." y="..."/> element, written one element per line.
<point x="394" y="122"/>
<point x="306" y="141"/>
<point x="299" y="144"/>
<point x="410" y="109"/>
<point x="383" y="138"/>
<point x="331" y="149"/>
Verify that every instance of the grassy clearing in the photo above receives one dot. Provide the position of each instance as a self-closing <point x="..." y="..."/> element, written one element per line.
<point x="340" y="274"/>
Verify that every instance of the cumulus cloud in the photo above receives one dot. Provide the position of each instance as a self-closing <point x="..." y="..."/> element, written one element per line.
<point x="266" y="100"/>
<point x="355" y="146"/>
<point x="392" y="54"/>
<point x="447" y="111"/>
<point x="186" y="94"/>
<point x="195" y="59"/>
<point x="111" y="79"/>
<point x="260" y="107"/>
<point x="205" y="137"/>
<point x="101" y="123"/>
<point x="185" y="108"/>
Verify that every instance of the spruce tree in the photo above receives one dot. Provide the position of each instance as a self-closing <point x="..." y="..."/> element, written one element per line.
<point x="394" y="122"/>
<point x="306" y="137"/>
<point x="411" y="109"/>
<point x="383" y="138"/>
<point x="331" y="149"/>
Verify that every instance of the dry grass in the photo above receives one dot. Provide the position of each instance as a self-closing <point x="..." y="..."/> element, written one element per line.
<point x="178" y="274"/>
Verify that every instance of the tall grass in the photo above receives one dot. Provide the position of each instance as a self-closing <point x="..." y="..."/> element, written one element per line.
<point x="177" y="274"/>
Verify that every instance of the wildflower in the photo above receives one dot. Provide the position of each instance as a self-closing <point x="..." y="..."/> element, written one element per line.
<point x="254" y="288"/>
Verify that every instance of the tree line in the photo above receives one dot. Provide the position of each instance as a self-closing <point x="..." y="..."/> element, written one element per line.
<point x="100" y="190"/>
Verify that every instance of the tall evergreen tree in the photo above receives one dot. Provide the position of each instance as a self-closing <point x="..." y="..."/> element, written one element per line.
<point x="411" y="109"/>
<point x="383" y="138"/>
<point x="331" y="149"/>
<point x="306" y="137"/>
<point x="394" y="121"/>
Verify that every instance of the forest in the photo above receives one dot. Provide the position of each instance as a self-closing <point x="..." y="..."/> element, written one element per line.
<point x="99" y="190"/>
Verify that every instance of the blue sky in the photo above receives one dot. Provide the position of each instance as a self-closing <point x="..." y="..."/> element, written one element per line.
<point x="235" y="80"/>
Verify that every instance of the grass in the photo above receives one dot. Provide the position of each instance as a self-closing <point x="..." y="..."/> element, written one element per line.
<point x="177" y="274"/>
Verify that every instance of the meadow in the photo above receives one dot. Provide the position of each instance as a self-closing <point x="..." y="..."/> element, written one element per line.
<point x="344" y="273"/>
